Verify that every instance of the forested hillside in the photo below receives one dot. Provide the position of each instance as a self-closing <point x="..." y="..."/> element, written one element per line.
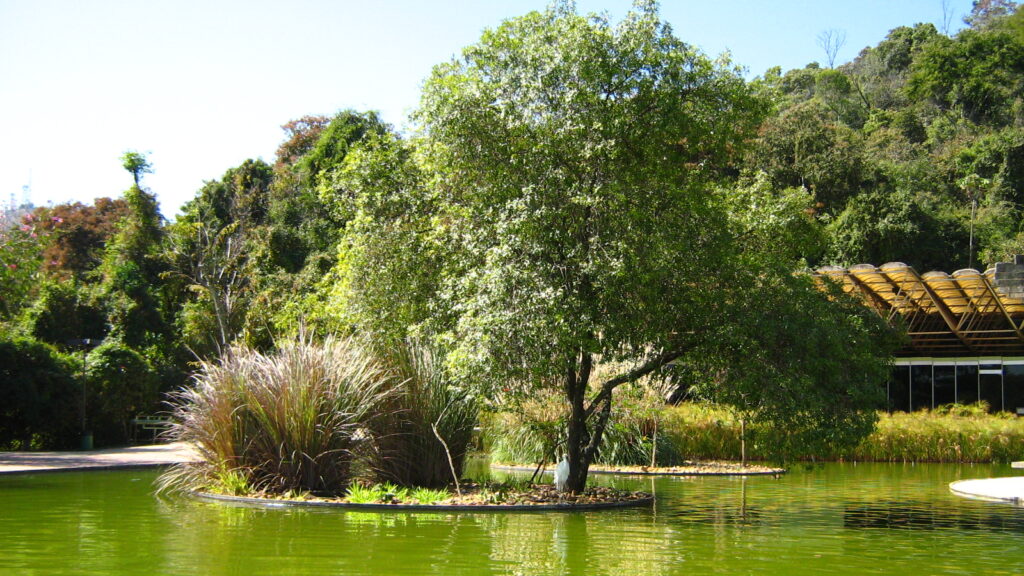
<point x="912" y="152"/>
<point x="908" y="147"/>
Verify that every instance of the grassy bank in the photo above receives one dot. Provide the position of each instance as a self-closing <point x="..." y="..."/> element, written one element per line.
<point x="944" y="436"/>
<point x="956" y="435"/>
<point x="696" y="432"/>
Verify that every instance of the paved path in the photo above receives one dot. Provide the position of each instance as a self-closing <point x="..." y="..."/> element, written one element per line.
<point x="133" y="457"/>
<point x="1010" y="489"/>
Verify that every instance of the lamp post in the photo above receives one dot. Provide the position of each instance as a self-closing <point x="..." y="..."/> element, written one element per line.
<point x="84" y="344"/>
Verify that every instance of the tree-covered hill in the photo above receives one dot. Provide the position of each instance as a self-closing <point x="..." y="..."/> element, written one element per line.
<point x="914" y="151"/>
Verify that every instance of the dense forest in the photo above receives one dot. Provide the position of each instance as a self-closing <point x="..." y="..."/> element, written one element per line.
<point x="912" y="152"/>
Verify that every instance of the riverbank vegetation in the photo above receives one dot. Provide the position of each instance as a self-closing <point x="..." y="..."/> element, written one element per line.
<point x="693" y="432"/>
<point x="584" y="204"/>
<point x="949" y="434"/>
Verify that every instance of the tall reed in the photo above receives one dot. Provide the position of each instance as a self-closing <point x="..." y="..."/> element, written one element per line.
<point x="424" y="429"/>
<point x="946" y="435"/>
<point x="293" y="420"/>
<point x="953" y="434"/>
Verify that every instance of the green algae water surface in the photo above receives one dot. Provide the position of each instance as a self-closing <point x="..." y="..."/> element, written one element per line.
<point x="833" y="519"/>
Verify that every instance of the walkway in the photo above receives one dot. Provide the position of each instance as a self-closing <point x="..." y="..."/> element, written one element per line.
<point x="133" y="457"/>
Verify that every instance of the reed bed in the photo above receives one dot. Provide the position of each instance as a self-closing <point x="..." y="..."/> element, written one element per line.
<point x="955" y="434"/>
<point x="291" y="421"/>
<point x="697" y="432"/>
<point x="424" y="428"/>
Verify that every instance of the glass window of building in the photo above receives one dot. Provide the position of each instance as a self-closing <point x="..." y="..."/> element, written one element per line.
<point x="990" y="385"/>
<point x="899" y="388"/>
<point x="920" y="387"/>
<point x="967" y="383"/>
<point x="943" y="384"/>
<point x="1013" y="388"/>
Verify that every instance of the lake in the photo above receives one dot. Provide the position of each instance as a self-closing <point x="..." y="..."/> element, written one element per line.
<point x="829" y="519"/>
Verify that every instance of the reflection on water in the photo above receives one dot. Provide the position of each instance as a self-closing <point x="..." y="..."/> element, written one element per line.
<point x="921" y="515"/>
<point x="834" y="519"/>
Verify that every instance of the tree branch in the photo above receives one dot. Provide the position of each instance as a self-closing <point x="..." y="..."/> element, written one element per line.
<point x="659" y="361"/>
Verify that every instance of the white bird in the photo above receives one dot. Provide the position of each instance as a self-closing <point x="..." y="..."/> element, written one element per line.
<point x="562" y="474"/>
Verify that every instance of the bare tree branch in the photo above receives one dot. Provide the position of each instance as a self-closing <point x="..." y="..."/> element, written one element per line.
<point x="947" y="17"/>
<point x="831" y="41"/>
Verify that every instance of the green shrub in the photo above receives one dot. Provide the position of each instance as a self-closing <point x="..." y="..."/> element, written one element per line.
<point x="425" y="404"/>
<point x="290" y="421"/>
<point x="41" y="399"/>
<point x="121" y="384"/>
<point x="63" y="312"/>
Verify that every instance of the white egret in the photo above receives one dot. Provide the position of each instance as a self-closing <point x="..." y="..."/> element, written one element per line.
<point x="562" y="474"/>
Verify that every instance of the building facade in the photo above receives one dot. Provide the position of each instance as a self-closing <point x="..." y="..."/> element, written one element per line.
<point x="965" y="332"/>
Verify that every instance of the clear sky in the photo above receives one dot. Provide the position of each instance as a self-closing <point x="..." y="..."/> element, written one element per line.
<point x="201" y="85"/>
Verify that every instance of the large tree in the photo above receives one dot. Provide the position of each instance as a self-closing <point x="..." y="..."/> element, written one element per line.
<point x="574" y="158"/>
<point x="564" y="219"/>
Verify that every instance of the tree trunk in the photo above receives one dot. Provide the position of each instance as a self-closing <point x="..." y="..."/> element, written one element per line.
<point x="575" y="449"/>
<point x="584" y="438"/>
<point x="578" y="436"/>
<point x="743" y="442"/>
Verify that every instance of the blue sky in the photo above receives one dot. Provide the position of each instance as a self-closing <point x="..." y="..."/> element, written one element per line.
<point x="202" y="85"/>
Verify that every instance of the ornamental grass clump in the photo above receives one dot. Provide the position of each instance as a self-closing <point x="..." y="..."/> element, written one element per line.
<point x="291" y="421"/>
<point x="424" y="428"/>
<point x="529" y="432"/>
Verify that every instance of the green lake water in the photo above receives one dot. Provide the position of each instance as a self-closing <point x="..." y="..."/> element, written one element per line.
<point x="832" y="519"/>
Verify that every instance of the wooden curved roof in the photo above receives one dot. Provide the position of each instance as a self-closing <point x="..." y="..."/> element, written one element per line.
<point x="958" y="314"/>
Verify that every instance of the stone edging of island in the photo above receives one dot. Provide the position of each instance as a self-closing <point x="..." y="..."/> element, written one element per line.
<point x="645" y="500"/>
<point x="629" y="471"/>
<point x="1006" y="489"/>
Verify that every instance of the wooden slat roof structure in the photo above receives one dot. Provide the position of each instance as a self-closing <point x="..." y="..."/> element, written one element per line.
<point x="945" y="315"/>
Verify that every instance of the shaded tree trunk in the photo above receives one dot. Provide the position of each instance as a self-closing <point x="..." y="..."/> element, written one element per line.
<point x="578" y="436"/>
<point x="587" y="424"/>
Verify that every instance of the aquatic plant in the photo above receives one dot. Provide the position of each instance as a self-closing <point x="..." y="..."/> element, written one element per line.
<point x="952" y="434"/>
<point x="292" y="420"/>
<point x="424" y="427"/>
<point x="947" y="434"/>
